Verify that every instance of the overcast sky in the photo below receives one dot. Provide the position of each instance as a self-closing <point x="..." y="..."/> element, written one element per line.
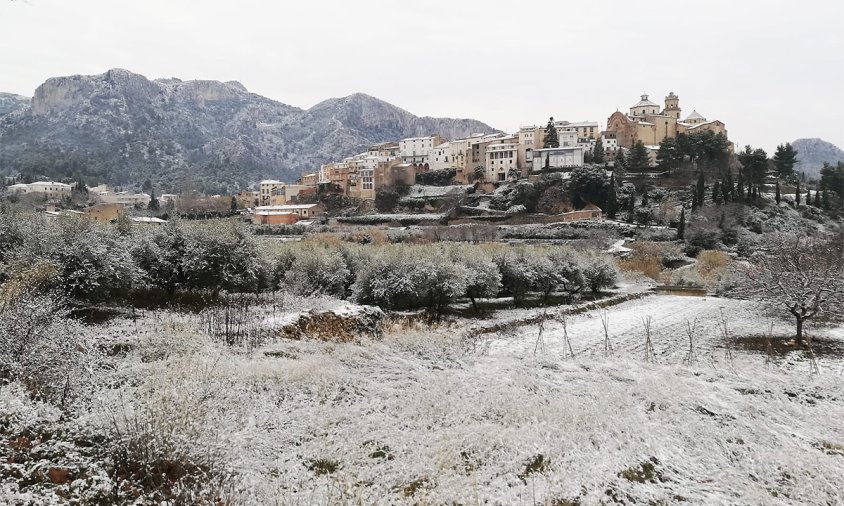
<point x="773" y="71"/>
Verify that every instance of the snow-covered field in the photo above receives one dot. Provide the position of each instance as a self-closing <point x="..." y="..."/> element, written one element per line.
<point x="424" y="416"/>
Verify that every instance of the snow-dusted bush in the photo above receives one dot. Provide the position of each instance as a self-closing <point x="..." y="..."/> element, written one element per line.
<point x="599" y="271"/>
<point x="42" y="348"/>
<point x="518" y="274"/>
<point x="316" y="269"/>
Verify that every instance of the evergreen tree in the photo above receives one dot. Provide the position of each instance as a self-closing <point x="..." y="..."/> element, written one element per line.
<point x="620" y="160"/>
<point x="740" y="185"/>
<point x="700" y="189"/>
<point x="598" y="151"/>
<point x="551" y="139"/>
<point x="777" y="196"/>
<point x="645" y="197"/>
<point x="727" y="187"/>
<point x="587" y="156"/>
<point x="797" y="194"/>
<point x="784" y="160"/>
<point x="666" y="157"/>
<point x="153" y="202"/>
<point x="612" y="199"/>
<point x="631" y="208"/>
<point x="808" y="196"/>
<point x="547" y="167"/>
<point x="639" y="158"/>
<point x="716" y="192"/>
<point x="817" y="199"/>
<point x="234" y="203"/>
<point x="825" y="199"/>
<point x="681" y="227"/>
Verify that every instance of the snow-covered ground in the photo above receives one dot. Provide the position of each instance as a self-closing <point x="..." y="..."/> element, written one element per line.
<point x="425" y="416"/>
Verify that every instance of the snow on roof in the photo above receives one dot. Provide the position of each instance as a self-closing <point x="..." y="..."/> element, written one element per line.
<point x="645" y="102"/>
<point x="695" y="115"/>
<point x="271" y="181"/>
<point x="286" y="207"/>
<point x="148" y="219"/>
<point x="50" y="183"/>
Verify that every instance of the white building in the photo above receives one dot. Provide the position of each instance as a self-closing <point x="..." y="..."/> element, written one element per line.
<point x="417" y="150"/>
<point x="300" y="210"/>
<point x="557" y="158"/>
<point x="441" y="157"/>
<point x="50" y="189"/>
<point x="266" y="189"/>
<point x="501" y="157"/>
<point x="126" y="199"/>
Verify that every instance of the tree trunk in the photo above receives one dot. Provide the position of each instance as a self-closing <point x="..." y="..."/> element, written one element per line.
<point x="799" y="331"/>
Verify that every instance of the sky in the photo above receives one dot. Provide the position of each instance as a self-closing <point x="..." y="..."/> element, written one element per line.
<point x="771" y="70"/>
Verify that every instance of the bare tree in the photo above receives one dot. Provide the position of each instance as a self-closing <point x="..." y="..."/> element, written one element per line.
<point x="800" y="275"/>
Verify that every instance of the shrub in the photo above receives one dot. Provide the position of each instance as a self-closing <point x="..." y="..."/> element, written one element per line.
<point x="316" y="270"/>
<point x="42" y="348"/>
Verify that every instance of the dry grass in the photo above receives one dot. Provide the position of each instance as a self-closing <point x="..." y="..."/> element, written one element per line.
<point x="649" y="266"/>
<point x="711" y="264"/>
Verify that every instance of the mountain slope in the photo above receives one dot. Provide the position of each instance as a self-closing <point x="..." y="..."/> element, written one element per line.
<point x="10" y="103"/>
<point x="812" y="153"/>
<point x="122" y="128"/>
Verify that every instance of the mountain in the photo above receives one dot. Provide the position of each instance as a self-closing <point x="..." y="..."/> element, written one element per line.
<point x="11" y="103"/>
<point x="122" y="128"/>
<point x="812" y="153"/>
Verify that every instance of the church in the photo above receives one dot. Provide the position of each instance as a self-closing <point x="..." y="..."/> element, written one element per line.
<point x="649" y="123"/>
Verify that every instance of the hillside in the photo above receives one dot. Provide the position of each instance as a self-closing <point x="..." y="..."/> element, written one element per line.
<point x="812" y="153"/>
<point x="122" y="128"/>
<point x="10" y="103"/>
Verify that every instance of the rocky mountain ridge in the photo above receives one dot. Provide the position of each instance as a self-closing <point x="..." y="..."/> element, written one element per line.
<point x="122" y="128"/>
<point x="812" y="153"/>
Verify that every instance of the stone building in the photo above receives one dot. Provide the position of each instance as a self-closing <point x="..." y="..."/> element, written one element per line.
<point x="650" y="123"/>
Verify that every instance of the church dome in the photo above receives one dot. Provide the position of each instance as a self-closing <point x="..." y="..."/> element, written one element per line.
<point x="644" y="102"/>
<point x="695" y="115"/>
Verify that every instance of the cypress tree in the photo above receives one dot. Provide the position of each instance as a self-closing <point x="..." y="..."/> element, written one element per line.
<point x="716" y="192"/>
<point x="645" y="197"/>
<point x="681" y="227"/>
<point x="797" y="194"/>
<point x="777" y="194"/>
<point x="612" y="199"/>
<point x="598" y="151"/>
<point x="727" y="188"/>
<point x="817" y="198"/>
<point x="701" y="188"/>
<point x="808" y="196"/>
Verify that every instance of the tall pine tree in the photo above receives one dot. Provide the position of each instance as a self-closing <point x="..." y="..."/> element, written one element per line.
<point x="639" y="157"/>
<point x="777" y="195"/>
<point x="551" y="138"/>
<point x="784" y="160"/>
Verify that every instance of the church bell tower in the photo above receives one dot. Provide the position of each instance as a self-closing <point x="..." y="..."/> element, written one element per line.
<point x="672" y="106"/>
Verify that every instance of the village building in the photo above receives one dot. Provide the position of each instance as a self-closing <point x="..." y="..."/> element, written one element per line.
<point x="417" y="150"/>
<point x="104" y="213"/>
<point x="49" y="189"/>
<point x="557" y="158"/>
<point x="501" y="157"/>
<point x="649" y="123"/>
<point x="124" y="198"/>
